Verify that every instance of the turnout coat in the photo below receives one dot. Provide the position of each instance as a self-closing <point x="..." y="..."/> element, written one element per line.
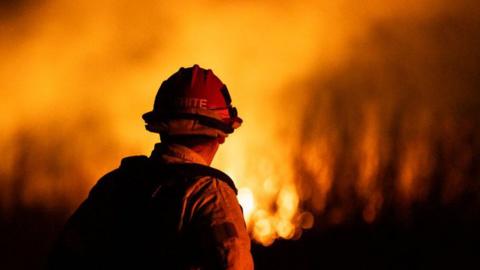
<point x="166" y="211"/>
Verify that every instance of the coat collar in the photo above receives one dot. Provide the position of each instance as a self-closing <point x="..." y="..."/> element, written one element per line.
<point x="176" y="153"/>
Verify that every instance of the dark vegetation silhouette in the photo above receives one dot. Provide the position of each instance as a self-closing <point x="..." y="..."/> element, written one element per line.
<point x="418" y="81"/>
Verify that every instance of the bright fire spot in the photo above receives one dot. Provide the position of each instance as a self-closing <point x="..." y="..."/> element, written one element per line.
<point x="245" y="197"/>
<point x="267" y="224"/>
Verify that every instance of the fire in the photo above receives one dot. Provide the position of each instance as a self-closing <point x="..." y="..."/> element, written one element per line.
<point x="344" y="112"/>
<point x="247" y="201"/>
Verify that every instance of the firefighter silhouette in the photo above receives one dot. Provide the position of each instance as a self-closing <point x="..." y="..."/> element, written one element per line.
<point x="170" y="210"/>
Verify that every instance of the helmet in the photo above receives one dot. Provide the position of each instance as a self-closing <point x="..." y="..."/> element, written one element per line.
<point x="193" y="101"/>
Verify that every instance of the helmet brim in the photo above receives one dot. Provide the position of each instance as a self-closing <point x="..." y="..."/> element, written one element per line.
<point x="154" y="120"/>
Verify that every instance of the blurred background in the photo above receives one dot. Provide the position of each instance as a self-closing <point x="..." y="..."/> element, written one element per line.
<point x="361" y="137"/>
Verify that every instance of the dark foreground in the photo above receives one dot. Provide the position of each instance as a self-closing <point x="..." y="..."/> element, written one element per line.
<point x="434" y="238"/>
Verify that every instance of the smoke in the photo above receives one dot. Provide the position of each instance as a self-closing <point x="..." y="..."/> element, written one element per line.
<point x="397" y="124"/>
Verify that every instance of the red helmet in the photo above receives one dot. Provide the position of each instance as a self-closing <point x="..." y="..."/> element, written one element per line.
<point x="193" y="101"/>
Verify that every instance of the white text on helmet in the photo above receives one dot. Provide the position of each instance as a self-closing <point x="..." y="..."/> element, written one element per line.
<point x="192" y="102"/>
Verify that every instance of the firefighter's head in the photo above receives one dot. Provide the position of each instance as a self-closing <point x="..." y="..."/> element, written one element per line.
<point x="193" y="104"/>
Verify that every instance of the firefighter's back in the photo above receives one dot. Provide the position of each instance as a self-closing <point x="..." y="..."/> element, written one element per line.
<point x="130" y="218"/>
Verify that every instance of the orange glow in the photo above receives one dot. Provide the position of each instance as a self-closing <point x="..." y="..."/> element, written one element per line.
<point x="315" y="81"/>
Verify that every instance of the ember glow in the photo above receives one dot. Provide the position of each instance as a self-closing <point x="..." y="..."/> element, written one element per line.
<point x="349" y="109"/>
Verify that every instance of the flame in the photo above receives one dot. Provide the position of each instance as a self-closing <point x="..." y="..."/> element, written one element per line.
<point x="247" y="201"/>
<point x="342" y="107"/>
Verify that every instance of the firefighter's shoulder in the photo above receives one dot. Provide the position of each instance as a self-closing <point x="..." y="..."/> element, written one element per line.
<point x="211" y="196"/>
<point x="202" y="173"/>
<point x="128" y="166"/>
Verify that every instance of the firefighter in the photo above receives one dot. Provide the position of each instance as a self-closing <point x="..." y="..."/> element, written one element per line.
<point x="170" y="210"/>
